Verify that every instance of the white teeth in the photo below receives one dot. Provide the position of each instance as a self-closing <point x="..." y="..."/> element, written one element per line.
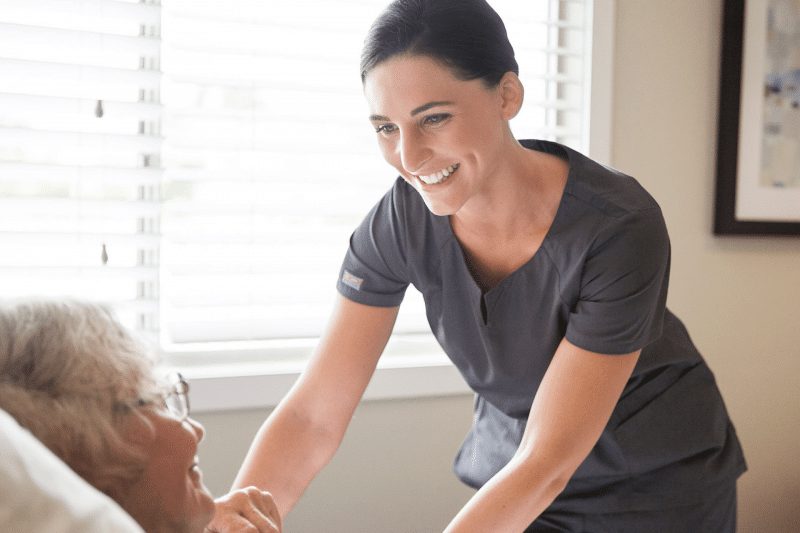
<point x="440" y="176"/>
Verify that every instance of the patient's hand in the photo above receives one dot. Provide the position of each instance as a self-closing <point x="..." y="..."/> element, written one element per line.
<point x="246" y="511"/>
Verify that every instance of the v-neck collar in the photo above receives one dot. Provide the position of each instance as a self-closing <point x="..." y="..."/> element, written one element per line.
<point x="548" y="147"/>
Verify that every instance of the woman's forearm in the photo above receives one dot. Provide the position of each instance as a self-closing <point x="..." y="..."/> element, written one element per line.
<point x="305" y="430"/>
<point x="285" y="456"/>
<point x="571" y="408"/>
<point x="511" y="500"/>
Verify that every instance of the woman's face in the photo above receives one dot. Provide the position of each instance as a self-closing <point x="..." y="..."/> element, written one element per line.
<point x="170" y="496"/>
<point x="445" y="136"/>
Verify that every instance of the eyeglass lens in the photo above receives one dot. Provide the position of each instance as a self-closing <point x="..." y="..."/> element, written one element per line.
<point x="177" y="400"/>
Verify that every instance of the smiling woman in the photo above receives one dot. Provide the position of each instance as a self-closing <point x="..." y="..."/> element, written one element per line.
<point x="544" y="276"/>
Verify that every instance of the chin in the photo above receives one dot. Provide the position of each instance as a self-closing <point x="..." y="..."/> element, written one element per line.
<point x="438" y="208"/>
<point x="207" y="512"/>
<point x="205" y="505"/>
<point x="196" y="519"/>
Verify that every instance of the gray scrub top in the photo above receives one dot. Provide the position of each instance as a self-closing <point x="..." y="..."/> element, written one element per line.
<point x="599" y="279"/>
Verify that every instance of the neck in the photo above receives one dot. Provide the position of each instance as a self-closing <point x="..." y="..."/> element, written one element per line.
<point x="521" y="198"/>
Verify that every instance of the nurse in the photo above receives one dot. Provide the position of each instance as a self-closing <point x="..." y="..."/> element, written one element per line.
<point x="545" y="279"/>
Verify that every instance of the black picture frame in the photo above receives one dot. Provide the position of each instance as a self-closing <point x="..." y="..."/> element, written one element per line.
<point x="729" y="130"/>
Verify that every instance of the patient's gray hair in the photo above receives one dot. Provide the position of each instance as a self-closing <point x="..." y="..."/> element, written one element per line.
<point x="73" y="376"/>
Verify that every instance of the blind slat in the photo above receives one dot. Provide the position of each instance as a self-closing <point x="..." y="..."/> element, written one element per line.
<point x="44" y="173"/>
<point x="98" y="142"/>
<point x="37" y="77"/>
<point x="86" y="207"/>
<point x="100" y="10"/>
<point x="98" y="273"/>
<point x="26" y="105"/>
<point x="19" y="36"/>
<point x="43" y="240"/>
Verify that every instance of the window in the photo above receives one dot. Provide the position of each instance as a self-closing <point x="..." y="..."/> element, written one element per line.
<point x="79" y="153"/>
<point x="269" y="165"/>
<point x="201" y="164"/>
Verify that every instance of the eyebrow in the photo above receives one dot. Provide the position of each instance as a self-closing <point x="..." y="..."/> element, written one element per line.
<point x="415" y="111"/>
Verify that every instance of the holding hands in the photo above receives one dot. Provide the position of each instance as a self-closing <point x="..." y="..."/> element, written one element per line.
<point x="247" y="510"/>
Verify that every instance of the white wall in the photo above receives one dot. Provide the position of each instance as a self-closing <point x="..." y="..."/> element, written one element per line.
<point x="740" y="298"/>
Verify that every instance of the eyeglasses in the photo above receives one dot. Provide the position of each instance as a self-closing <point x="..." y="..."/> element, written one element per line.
<point x="177" y="398"/>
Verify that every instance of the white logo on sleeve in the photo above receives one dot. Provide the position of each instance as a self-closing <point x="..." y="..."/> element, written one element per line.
<point x="351" y="280"/>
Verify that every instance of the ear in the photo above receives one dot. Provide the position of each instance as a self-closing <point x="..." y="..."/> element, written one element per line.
<point x="512" y="94"/>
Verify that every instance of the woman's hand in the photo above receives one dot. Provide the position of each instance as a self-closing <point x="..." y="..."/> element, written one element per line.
<point x="247" y="510"/>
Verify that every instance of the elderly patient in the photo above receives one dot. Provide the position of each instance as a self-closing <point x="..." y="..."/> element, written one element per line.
<point x="86" y="388"/>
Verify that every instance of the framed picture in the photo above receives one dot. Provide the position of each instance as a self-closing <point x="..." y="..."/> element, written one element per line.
<point x="758" y="149"/>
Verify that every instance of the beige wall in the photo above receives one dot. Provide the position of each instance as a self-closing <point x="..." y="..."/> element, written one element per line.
<point x="391" y="473"/>
<point x="740" y="298"/>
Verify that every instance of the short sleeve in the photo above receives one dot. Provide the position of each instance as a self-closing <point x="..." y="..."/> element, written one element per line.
<point x="624" y="282"/>
<point x="375" y="269"/>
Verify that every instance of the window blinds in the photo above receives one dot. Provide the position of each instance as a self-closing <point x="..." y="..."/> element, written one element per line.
<point x="270" y="165"/>
<point x="225" y="190"/>
<point x="79" y="153"/>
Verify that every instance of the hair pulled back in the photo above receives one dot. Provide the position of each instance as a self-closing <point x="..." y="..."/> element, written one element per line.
<point x="467" y="36"/>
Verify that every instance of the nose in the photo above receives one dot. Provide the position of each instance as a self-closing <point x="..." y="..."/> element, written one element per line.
<point x="413" y="151"/>
<point x="198" y="429"/>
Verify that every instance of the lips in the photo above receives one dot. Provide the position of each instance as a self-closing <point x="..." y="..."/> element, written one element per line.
<point x="439" y="177"/>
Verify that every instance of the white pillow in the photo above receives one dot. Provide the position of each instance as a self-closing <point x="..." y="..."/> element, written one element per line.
<point x="40" y="493"/>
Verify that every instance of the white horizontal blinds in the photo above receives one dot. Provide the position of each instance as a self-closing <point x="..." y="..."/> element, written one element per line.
<point x="79" y="153"/>
<point x="551" y="40"/>
<point x="271" y="163"/>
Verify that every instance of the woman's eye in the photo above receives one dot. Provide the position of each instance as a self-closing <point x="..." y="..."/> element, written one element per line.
<point x="432" y="120"/>
<point x="385" y="128"/>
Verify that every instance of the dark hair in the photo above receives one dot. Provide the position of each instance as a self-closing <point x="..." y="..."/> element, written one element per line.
<point x="467" y="36"/>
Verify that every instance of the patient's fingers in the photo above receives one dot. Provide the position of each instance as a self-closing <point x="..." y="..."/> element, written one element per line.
<point x="265" y="503"/>
<point x="246" y="511"/>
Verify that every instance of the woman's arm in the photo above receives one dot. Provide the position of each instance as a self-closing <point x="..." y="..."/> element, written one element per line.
<point x="303" y="432"/>
<point x="572" y="407"/>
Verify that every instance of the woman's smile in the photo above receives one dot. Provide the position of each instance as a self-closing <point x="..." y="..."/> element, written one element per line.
<point x="439" y="177"/>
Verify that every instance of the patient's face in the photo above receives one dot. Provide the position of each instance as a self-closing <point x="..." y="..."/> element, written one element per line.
<point x="170" y="495"/>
